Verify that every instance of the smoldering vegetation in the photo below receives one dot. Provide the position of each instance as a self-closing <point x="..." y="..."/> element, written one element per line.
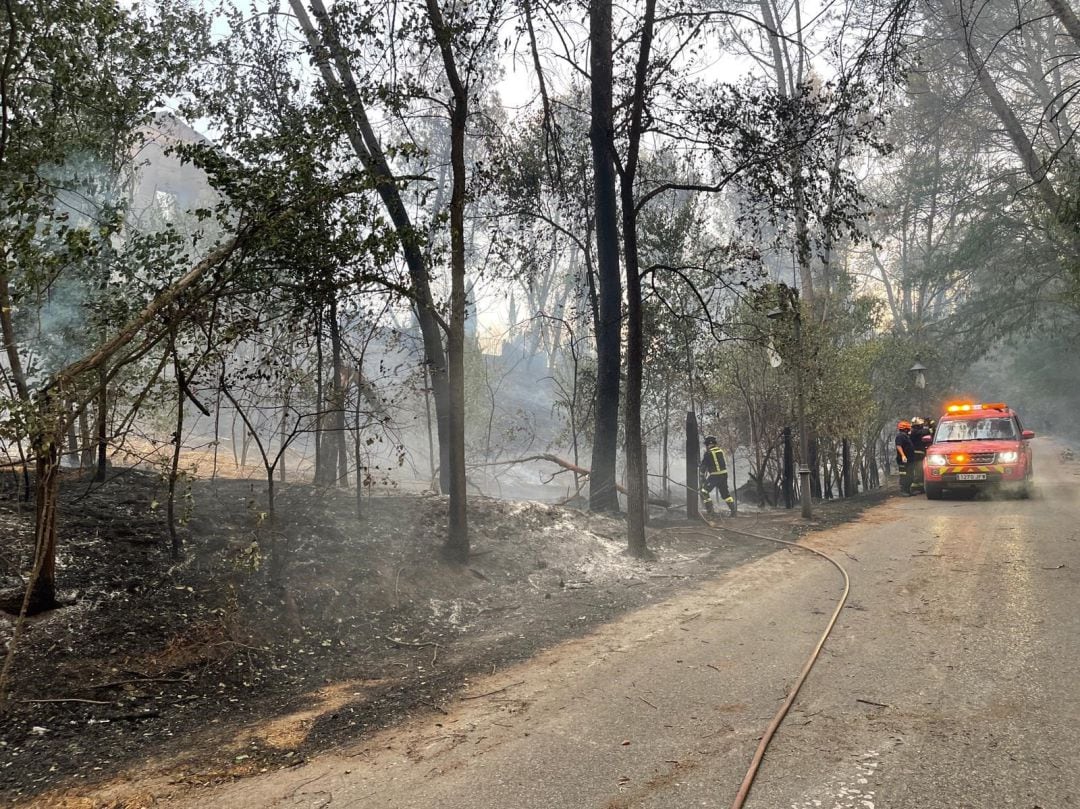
<point x="355" y="292"/>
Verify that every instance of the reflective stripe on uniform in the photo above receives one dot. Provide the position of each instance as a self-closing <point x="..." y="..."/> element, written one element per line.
<point x="716" y="470"/>
<point x="718" y="458"/>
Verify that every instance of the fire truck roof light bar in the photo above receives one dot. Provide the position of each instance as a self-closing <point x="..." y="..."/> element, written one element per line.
<point x="967" y="407"/>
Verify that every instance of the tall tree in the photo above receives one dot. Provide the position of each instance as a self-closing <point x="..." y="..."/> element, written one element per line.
<point x="457" y="541"/>
<point x="636" y="483"/>
<point x="602" y="493"/>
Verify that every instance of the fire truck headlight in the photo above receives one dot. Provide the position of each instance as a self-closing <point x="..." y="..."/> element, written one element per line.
<point x="1008" y="457"/>
<point x="936" y="460"/>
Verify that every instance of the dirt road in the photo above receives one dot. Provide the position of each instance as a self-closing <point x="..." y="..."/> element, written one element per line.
<point x="950" y="681"/>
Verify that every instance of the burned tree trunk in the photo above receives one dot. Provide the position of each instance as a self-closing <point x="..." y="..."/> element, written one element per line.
<point x="42" y="593"/>
<point x="693" y="453"/>
<point x="636" y="473"/>
<point x="174" y="467"/>
<point x="602" y="494"/>
<point x="320" y="397"/>
<point x="339" y="458"/>
<point x="457" y="540"/>
<point x="102" y="425"/>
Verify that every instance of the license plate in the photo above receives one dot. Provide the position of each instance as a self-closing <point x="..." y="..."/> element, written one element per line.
<point x="971" y="477"/>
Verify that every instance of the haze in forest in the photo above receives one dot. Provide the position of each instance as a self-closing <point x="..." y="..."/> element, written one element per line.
<point x="345" y="257"/>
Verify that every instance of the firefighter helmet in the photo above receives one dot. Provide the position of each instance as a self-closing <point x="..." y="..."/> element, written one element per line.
<point x="710" y="440"/>
<point x="903" y="425"/>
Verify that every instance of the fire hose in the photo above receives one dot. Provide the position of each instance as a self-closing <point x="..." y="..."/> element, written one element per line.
<point x="778" y="718"/>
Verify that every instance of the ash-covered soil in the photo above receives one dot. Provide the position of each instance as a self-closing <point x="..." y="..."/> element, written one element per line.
<point x="204" y="670"/>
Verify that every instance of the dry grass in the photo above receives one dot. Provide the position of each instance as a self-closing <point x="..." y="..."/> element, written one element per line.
<point x="204" y="463"/>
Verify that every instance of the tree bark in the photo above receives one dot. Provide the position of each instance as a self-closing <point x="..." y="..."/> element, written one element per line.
<point x="174" y="467"/>
<point x="43" y="592"/>
<point x="602" y="493"/>
<point x="338" y="466"/>
<point x="320" y="400"/>
<point x="813" y="461"/>
<point x="358" y="460"/>
<point x="102" y="425"/>
<point x="693" y="455"/>
<point x="11" y="344"/>
<point x="665" y="467"/>
<point x="846" y="472"/>
<point x="86" y="458"/>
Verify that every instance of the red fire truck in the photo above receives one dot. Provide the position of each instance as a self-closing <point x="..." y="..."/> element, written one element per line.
<point x="976" y="447"/>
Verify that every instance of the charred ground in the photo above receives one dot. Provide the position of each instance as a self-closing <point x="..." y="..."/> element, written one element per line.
<point x="202" y="669"/>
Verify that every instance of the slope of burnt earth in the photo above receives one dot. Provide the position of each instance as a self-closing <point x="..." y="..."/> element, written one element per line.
<point x="205" y="669"/>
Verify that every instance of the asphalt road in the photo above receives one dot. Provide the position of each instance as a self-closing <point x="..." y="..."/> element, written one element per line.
<point x="951" y="680"/>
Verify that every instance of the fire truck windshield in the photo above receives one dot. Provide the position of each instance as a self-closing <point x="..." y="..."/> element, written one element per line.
<point x="990" y="429"/>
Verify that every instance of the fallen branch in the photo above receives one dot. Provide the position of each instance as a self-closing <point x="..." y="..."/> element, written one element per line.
<point x="71" y="699"/>
<point x="572" y="467"/>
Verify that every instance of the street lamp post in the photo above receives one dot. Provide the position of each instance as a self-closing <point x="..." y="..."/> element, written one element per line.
<point x="789" y="302"/>
<point x="918" y="376"/>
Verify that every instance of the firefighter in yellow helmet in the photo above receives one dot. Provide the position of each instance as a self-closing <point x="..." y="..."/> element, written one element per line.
<point x="714" y="475"/>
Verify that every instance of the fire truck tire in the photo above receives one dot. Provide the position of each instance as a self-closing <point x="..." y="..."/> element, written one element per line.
<point x="933" y="491"/>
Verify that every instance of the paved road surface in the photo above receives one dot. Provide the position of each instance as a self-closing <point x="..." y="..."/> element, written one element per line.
<point x="952" y="680"/>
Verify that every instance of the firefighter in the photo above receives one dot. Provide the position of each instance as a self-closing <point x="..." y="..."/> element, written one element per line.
<point x="714" y="475"/>
<point x="905" y="456"/>
<point x="919" y="428"/>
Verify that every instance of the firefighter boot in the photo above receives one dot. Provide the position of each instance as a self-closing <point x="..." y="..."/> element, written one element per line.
<point x="708" y="507"/>
<point x="731" y="507"/>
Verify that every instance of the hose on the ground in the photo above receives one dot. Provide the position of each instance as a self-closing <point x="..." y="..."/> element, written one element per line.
<point x="778" y="718"/>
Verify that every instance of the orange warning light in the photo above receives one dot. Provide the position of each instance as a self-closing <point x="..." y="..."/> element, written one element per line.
<point x="967" y="407"/>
